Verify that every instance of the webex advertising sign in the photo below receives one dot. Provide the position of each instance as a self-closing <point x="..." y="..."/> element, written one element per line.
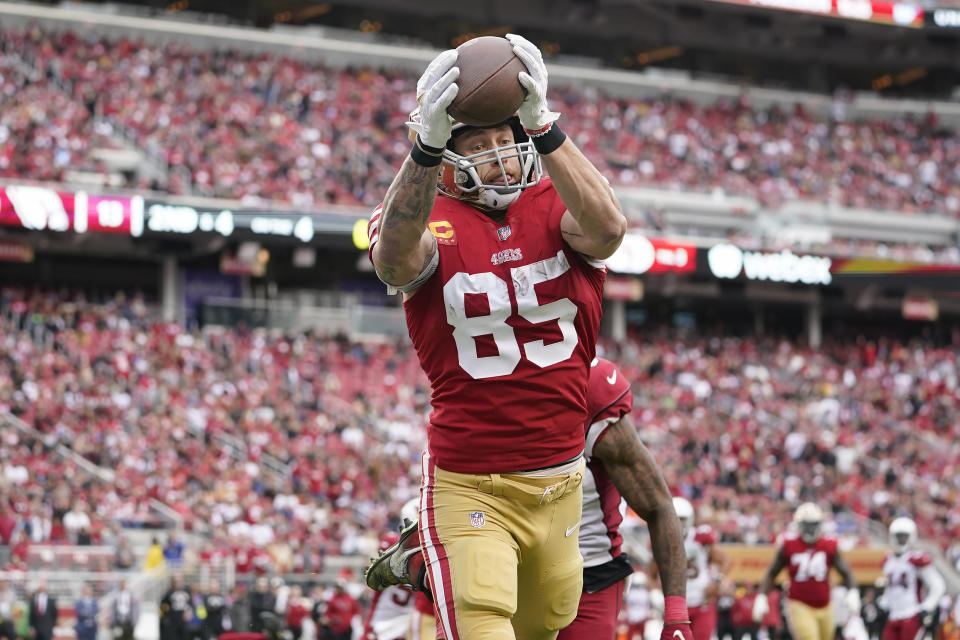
<point x="727" y="261"/>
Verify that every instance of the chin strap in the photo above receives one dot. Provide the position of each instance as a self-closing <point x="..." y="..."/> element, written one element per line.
<point x="497" y="201"/>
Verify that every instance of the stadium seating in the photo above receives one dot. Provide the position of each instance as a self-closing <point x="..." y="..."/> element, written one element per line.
<point x="867" y="426"/>
<point x="256" y="127"/>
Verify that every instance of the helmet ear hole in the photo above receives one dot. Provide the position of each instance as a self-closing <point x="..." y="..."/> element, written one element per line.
<point x="463" y="179"/>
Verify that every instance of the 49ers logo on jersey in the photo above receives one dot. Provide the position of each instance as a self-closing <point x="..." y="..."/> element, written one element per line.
<point x="443" y="232"/>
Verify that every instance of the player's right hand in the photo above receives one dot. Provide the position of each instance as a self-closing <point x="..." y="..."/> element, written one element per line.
<point x="436" y="89"/>
<point x="671" y="629"/>
<point x="761" y="607"/>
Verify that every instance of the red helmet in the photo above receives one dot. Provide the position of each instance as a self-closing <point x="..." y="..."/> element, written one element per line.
<point x="459" y="177"/>
<point x="388" y="540"/>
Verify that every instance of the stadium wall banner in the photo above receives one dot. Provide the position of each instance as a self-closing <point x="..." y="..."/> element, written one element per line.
<point x="727" y="262"/>
<point x="623" y="288"/>
<point x="639" y="254"/>
<point x="917" y="308"/>
<point x="198" y="286"/>
<point x="46" y="209"/>
<point x="748" y="563"/>
<point x="164" y="217"/>
<point x="15" y="252"/>
<point x="902" y="14"/>
<point x="943" y="18"/>
<point x="184" y="219"/>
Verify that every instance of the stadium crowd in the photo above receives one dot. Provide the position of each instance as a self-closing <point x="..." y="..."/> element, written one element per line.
<point x="258" y="127"/>
<point x="870" y="427"/>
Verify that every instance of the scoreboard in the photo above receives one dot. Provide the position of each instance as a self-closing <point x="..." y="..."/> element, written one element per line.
<point x="45" y="209"/>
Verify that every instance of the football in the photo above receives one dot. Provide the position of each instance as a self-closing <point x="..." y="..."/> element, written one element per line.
<point x="489" y="89"/>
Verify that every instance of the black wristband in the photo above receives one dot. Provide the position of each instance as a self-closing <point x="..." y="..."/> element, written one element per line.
<point x="549" y="141"/>
<point x="424" y="155"/>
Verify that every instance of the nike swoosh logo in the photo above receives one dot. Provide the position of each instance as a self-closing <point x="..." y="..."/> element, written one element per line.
<point x="612" y="377"/>
<point x="678" y="635"/>
<point x="570" y="530"/>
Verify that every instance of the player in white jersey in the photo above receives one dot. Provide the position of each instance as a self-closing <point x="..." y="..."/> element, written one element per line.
<point x="907" y="570"/>
<point x="391" y="610"/>
<point x="637" y="606"/>
<point x="706" y="566"/>
<point x="620" y="472"/>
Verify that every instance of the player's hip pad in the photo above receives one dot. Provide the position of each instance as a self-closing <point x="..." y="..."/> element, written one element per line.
<point x="530" y="490"/>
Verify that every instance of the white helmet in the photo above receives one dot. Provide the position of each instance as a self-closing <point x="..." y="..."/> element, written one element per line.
<point x="410" y="511"/>
<point x="809" y="517"/>
<point x="684" y="513"/>
<point x="903" y="534"/>
<point x="459" y="177"/>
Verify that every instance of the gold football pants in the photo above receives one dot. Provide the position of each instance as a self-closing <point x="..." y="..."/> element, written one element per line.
<point x="502" y="552"/>
<point x="810" y="623"/>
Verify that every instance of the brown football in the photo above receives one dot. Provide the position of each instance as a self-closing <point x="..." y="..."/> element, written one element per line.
<point x="489" y="90"/>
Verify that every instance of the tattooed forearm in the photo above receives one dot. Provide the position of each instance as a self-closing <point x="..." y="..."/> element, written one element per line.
<point x="410" y="197"/>
<point x="636" y="476"/>
<point x="404" y="246"/>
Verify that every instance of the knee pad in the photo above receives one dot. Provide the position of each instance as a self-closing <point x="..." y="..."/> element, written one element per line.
<point x="562" y="588"/>
<point x="487" y="577"/>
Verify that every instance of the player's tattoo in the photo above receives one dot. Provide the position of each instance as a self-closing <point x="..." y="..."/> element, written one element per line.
<point x="636" y="476"/>
<point x="571" y="234"/>
<point x="410" y="198"/>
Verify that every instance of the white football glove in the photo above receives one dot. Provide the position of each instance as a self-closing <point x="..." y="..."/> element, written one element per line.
<point x="852" y="601"/>
<point x="436" y="89"/>
<point x="533" y="112"/>
<point x="761" y="607"/>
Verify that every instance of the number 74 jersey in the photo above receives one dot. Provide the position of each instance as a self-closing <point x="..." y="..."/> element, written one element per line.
<point x="505" y="330"/>
<point x="809" y="566"/>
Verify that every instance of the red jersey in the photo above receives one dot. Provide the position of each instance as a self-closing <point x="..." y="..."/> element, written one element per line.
<point x="505" y="330"/>
<point x="809" y="567"/>
<point x="340" y="611"/>
<point x="609" y="398"/>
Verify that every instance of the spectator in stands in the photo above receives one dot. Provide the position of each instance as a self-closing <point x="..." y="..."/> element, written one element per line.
<point x="726" y="597"/>
<point x="339" y="610"/>
<point x="298" y="608"/>
<point x="8" y="522"/>
<point x="154" y="556"/>
<point x="216" y="607"/>
<point x="873" y="618"/>
<point x="87" y="611"/>
<point x="197" y="613"/>
<point x="8" y="600"/>
<point x="43" y="613"/>
<point x="39" y="525"/>
<point x="173" y="551"/>
<point x="76" y="521"/>
<point x="238" y="607"/>
<point x="262" y="601"/>
<point x="125" y="614"/>
<point x="174" y="609"/>
<point x="123" y="559"/>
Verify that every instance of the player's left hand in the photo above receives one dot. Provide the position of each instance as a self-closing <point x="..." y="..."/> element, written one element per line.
<point x="852" y="601"/>
<point x="677" y="631"/>
<point x="927" y="618"/>
<point x="534" y="113"/>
